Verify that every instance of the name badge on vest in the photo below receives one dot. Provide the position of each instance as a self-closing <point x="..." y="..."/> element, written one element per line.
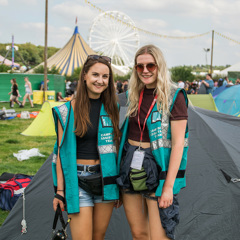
<point x="137" y="159"/>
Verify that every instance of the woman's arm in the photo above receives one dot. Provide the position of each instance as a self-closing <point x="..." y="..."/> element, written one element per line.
<point x="11" y="90"/>
<point x="60" y="179"/>
<point x="178" y="129"/>
<point x="18" y="93"/>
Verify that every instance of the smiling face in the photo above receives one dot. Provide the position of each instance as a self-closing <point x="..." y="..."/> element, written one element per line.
<point x="148" y="78"/>
<point x="97" y="79"/>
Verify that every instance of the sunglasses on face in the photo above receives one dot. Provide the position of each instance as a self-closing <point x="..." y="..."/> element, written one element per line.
<point x="150" y="67"/>
<point x="96" y="57"/>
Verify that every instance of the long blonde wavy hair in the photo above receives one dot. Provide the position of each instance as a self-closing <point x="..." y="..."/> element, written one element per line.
<point x="164" y="82"/>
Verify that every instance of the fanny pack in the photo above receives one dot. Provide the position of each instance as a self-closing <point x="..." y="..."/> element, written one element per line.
<point x="138" y="179"/>
<point x="91" y="184"/>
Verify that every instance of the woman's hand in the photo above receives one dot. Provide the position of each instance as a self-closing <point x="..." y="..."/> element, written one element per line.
<point x="166" y="199"/>
<point x="57" y="201"/>
<point x="118" y="203"/>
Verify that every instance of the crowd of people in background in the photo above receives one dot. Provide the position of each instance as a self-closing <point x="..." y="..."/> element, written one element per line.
<point x="121" y="86"/>
<point x="210" y="84"/>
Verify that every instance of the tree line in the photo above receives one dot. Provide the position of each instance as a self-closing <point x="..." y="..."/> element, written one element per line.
<point x="33" y="55"/>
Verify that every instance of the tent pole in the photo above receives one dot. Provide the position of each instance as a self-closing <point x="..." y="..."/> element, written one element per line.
<point x="211" y="70"/>
<point x="45" y="50"/>
<point x="5" y="56"/>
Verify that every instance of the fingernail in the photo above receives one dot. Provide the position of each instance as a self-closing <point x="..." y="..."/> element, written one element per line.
<point x="62" y="210"/>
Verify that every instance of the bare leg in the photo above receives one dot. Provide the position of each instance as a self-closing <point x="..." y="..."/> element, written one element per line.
<point x="16" y="101"/>
<point x="30" y="100"/>
<point x="101" y="216"/>
<point x="24" y="99"/>
<point x="156" y="230"/>
<point x="81" y="224"/>
<point x="136" y="212"/>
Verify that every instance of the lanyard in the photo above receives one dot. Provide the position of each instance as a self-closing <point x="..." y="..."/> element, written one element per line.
<point x="150" y="109"/>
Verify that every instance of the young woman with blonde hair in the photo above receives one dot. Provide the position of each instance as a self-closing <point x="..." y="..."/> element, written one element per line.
<point x="87" y="142"/>
<point x="28" y="92"/>
<point x="153" y="149"/>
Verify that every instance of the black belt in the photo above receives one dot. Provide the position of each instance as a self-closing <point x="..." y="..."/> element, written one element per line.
<point x="91" y="169"/>
<point x="163" y="174"/>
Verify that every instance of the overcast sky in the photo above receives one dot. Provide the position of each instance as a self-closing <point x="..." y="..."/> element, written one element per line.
<point x="25" y="19"/>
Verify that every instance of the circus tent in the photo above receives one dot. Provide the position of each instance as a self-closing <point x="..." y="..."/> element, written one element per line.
<point x="72" y="56"/>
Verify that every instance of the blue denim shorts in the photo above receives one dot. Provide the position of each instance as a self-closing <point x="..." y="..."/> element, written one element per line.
<point x="87" y="199"/>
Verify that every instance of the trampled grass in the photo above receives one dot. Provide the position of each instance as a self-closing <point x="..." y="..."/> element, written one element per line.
<point x="11" y="141"/>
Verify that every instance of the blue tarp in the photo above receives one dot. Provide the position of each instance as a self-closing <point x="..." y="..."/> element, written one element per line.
<point x="228" y="101"/>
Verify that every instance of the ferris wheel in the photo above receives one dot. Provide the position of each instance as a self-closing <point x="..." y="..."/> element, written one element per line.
<point x="114" y="34"/>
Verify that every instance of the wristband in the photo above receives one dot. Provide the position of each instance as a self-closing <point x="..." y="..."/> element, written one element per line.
<point x="60" y="190"/>
<point x="61" y="198"/>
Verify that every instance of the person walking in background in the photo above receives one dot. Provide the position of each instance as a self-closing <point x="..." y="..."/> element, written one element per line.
<point x="125" y="85"/>
<point x="28" y="92"/>
<point x="181" y="84"/>
<point x="153" y="149"/>
<point x="68" y="88"/>
<point x="73" y="87"/>
<point x="208" y="82"/>
<point x="119" y="87"/>
<point x="89" y="151"/>
<point x="14" y="93"/>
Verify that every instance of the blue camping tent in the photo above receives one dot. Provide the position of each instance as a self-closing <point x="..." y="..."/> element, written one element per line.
<point x="218" y="90"/>
<point x="228" y="101"/>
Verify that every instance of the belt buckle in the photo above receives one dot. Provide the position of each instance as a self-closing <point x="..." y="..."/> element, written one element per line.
<point x="88" y="169"/>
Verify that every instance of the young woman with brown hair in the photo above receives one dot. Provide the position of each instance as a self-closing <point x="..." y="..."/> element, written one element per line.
<point x="87" y="142"/>
<point x="14" y="93"/>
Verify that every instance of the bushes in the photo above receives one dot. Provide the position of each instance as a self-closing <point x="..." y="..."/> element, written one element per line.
<point x="4" y="68"/>
<point x="182" y="73"/>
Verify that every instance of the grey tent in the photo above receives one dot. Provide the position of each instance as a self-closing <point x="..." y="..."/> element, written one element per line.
<point x="209" y="205"/>
<point x="39" y="212"/>
<point x="202" y="89"/>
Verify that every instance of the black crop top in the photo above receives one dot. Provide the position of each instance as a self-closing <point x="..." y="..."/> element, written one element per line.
<point x="87" y="145"/>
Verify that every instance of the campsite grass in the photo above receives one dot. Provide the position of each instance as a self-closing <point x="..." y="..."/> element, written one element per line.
<point x="11" y="141"/>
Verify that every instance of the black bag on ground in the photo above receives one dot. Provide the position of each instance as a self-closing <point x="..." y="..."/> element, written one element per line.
<point x="91" y="184"/>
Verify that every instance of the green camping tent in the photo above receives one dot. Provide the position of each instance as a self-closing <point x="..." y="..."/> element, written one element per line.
<point x="205" y="101"/>
<point x="43" y="125"/>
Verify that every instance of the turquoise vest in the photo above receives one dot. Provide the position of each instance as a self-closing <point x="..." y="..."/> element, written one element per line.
<point x="68" y="153"/>
<point x="159" y="129"/>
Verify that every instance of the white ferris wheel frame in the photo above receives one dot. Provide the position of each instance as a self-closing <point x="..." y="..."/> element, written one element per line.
<point x="114" y="34"/>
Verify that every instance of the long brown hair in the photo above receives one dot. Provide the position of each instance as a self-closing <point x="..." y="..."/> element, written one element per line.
<point x="14" y="81"/>
<point x="82" y="102"/>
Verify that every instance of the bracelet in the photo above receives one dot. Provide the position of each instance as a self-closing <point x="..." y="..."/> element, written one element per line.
<point x="60" y="190"/>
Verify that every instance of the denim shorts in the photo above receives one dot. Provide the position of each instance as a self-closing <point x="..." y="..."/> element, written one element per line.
<point x="87" y="199"/>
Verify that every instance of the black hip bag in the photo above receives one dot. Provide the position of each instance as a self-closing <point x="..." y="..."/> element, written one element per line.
<point x="91" y="184"/>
